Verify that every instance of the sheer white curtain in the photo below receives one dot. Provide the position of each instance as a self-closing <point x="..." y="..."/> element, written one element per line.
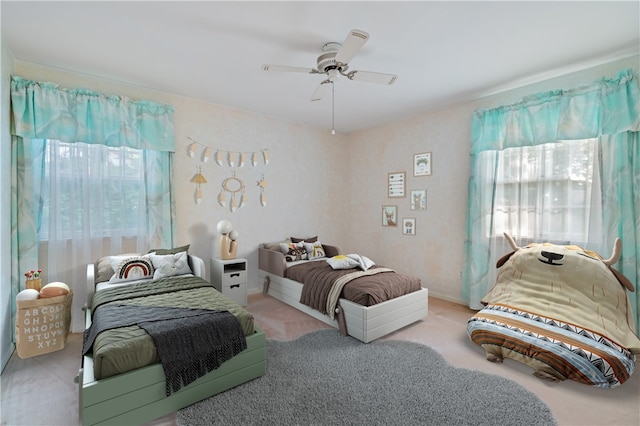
<point x="94" y="201"/>
<point x="548" y="192"/>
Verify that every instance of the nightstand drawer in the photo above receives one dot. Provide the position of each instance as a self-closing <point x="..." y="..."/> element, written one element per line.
<point x="234" y="277"/>
<point x="237" y="293"/>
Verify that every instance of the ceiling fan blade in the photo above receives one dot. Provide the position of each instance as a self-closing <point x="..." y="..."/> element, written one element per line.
<point x="351" y="45"/>
<point x="286" y="68"/>
<point x="321" y="90"/>
<point x="373" y="77"/>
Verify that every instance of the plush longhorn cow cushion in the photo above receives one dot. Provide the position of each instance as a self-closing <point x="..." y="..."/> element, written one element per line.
<point x="563" y="311"/>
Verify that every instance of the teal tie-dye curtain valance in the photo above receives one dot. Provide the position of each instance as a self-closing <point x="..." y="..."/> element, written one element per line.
<point x="47" y="111"/>
<point x="606" y="107"/>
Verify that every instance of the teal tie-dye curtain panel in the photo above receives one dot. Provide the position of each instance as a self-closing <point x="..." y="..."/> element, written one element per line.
<point x="41" y="111"/>
<point x="47" y="111"/>
<point x="609" y="110"/>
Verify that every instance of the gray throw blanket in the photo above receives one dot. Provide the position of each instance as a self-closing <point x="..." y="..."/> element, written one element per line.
<point x="190" y="342"/>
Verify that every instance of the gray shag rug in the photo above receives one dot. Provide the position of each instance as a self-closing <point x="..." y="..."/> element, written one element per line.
<point x="324" y="378"/>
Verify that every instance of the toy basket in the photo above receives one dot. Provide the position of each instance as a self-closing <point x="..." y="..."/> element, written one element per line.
<point x="42" y="325"/>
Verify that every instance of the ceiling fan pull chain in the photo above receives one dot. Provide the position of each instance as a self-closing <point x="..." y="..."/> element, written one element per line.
<point x="333" y="109"/>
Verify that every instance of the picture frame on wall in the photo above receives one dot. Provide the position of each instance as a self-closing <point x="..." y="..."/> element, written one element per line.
<point x="409" y="226"/>
<point x="418" y="199"/>
<point x="389" y="215"/>
<point x="396" y="184"/>
<point x="422" y="164"/>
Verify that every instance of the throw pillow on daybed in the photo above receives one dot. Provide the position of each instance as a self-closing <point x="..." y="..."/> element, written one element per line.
<point x="350" y="261"/>
<point x="132" y="269"/>
<point x="275" y="246"/>
<point x="314" y="250"/>
<point x="170" y="265"/>
<point x="294" y="251"/>
<point x="342" y="262"/>
<point x="305" y="240"/>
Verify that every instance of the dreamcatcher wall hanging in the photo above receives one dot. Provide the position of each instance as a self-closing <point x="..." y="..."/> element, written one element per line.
<point x="232" y="192"/>
<point x="233" y="187"/>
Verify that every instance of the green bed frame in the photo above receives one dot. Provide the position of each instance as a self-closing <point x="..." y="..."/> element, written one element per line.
<point x="138" y="396"/>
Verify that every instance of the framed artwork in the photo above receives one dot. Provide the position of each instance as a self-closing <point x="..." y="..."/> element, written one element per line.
<point x="396" y="184"/>
<point x="389" y="215"/>
<point x="422" y="164"/>
<point x="409" y="226"/>
<point x="418" y="199"/>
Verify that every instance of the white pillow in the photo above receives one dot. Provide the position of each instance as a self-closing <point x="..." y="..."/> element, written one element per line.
<point x="294" y="251"/>
<point x="342" y="262"/>
<point x="314" y="250"/>
<point x="133" y="269"/>
<point x="363" y="261"/>
<point x="170" y="265"/>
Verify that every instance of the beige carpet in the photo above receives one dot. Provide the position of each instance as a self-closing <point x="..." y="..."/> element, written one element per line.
<point x="41" y="391"/>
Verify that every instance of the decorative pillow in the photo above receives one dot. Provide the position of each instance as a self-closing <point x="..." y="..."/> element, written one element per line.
<point x="306" y="240"/>
<point x="105" y="266"/>
<point x="170" y="265"/>
<point x="276" y="245"/>
<point x="133" y="268"/>
<point x="293" y="251"/>
<point x="314" y="250"/>
<point x="174" y="250"/>
<point x="342" y="262"/>
<point x="363" y="261"/>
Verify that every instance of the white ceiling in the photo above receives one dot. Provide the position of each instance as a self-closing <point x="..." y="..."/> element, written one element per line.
<point x="442" y="52"/>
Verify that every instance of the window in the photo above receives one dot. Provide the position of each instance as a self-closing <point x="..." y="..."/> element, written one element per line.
<point x="92" y="190"/>
<point x="545" y="192"/>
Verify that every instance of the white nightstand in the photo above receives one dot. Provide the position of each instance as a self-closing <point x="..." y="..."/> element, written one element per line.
<point x="229" y="276"/>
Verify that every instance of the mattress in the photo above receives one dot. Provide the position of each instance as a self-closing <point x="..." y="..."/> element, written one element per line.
<point x="318" y="276"/>
<point x="127" y="348"/>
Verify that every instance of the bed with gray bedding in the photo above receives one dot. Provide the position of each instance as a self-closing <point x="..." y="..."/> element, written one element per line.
<point x="124" y="378"/>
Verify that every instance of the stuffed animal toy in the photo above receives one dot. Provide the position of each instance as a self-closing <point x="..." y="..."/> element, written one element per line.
<point x="562" y="310"/>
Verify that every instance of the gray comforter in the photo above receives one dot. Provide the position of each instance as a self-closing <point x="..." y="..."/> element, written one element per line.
<point x="189" y="342"/>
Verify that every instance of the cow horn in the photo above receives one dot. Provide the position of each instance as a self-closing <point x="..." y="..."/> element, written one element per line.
<point x="511" y="242"/>
<point x="617" y="250"/>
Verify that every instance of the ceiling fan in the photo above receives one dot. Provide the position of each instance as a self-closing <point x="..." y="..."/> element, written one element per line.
<point x="334" y="61"/>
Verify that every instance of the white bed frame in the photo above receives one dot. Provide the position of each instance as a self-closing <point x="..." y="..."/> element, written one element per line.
<point x="139" y="396"/>
<point x="365" y="323"/>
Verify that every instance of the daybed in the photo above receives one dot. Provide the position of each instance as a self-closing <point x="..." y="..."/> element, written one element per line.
<point x="561" y="310"/>
<point x="108" y="394"/>
<point x="366" y="319"/>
